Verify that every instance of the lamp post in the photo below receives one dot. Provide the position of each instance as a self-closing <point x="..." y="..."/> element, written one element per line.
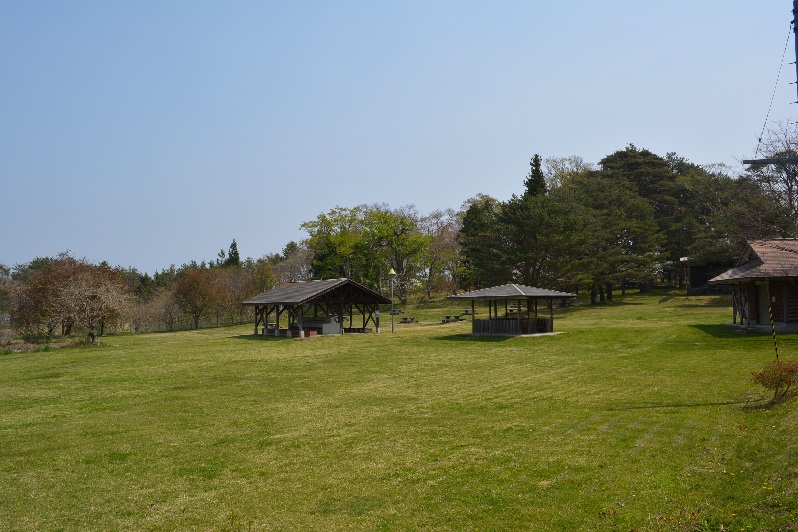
<point x="392" y="275"/>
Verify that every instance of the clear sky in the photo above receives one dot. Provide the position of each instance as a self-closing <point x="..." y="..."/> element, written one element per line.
<point x="150" y="133"/>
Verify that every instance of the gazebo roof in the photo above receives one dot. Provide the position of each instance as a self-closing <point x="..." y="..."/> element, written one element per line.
<point x="763" y="260"/>
<point x="511" y="291"/>
<point x="301" y="292"/>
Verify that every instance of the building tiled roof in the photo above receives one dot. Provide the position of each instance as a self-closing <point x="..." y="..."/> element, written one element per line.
<point x="301" y="292"/>
<point x="511" y="291"/>
<point x="763" y="260"/>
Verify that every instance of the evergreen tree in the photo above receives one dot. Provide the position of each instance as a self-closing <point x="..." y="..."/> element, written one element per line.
<point x="233" y="258"/>
<point x="479" y="241"/>
<point x="535" y="183"/>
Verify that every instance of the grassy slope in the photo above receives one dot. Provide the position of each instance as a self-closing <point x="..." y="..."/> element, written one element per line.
<point x="641" y="415"/>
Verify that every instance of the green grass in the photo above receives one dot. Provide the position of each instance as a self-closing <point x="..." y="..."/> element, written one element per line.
<point x="641" y="415"/>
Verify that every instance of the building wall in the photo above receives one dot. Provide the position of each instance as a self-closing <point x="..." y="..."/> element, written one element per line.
<point x="783" y="300"/>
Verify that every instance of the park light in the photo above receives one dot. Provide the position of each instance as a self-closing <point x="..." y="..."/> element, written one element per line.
<point x="392" y="275"/>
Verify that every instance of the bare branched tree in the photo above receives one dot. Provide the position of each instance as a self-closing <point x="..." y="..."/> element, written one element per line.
<point x="780" y="180"/>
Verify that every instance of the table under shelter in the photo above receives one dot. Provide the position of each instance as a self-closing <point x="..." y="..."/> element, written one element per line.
<point x="316" y="307"/>
<point x="513" y="309"/>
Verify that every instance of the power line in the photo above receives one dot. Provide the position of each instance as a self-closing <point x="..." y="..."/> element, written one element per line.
<point x="775" y="87"/>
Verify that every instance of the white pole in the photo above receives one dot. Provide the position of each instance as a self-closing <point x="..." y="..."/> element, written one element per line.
<point x="392" y="276"/>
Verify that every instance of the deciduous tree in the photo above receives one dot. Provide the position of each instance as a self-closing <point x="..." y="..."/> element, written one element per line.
<point x="441" y="261"/>
<point x="196" y="293"/>
<point x="93" y="296"/>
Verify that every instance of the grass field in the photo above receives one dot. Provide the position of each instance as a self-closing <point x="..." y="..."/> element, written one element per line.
<point x="641" y="415"/>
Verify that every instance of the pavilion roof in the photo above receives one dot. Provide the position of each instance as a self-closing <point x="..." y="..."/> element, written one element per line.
<point x="763" y="260"/>
<point x="511" y="291"/>
<point x="302" y="292"/>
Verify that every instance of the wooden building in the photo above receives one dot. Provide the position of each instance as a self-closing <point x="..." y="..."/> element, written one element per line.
<point x="765" y="279"/>
<point x="513" y="310"/>
<point x="316" y="307"/>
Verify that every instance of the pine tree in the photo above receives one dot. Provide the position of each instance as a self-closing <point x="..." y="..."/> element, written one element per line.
<point x="535" y="183"/>
<point x="233" y="258"/>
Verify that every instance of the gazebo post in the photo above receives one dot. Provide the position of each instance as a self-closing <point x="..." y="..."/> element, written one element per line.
<point x="301" y="320"/>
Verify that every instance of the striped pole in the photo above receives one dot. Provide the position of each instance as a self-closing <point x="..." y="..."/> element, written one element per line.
<point x="773" y="329"/>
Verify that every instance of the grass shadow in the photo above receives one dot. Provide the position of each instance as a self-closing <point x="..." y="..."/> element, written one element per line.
<point x="748" y="403"/>
<point x="471" y="338"/>
<point x="259" y="338"/>
<point x="725" y="331"/>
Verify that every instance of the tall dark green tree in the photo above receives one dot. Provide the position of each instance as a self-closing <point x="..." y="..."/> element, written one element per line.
<point x="479" y="243"/>
<point x="653" y="178"/>
<point x="535" y="182"/>
<point x="542" y="239"/>
<point x="624" y="244"/>
<point x="233" y="258"/>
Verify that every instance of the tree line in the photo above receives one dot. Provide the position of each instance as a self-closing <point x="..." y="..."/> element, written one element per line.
<point x="633" y="218"/>
<point x="50" y="297"/>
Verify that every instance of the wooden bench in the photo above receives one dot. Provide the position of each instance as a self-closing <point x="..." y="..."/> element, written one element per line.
<point x="396" y="311"/>
<point x="449" y="318"/>
<point x="408" y="319"/>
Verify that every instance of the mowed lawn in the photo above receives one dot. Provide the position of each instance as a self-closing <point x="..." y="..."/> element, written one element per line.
<point x="641" y="415"/>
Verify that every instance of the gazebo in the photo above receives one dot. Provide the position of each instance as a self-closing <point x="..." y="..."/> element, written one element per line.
<point x="513" y="309"/>
<point x="316" y="307"/>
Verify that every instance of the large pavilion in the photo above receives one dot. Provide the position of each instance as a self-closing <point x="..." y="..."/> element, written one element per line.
<point x="316" y="307"/>
<point x="513" y="310"/>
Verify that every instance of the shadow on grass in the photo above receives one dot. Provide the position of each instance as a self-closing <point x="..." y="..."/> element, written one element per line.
<point x="726" y="331"/>
<point x="260" y="338"/>
<point x="747" y="403"/>
<point x="471" y="338"/>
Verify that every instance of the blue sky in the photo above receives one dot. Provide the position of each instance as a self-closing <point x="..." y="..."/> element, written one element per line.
<point x="152" y="133"/>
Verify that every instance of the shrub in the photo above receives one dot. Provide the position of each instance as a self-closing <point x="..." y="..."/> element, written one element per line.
<point x="6" y="336"/>
<point x="778" y="375"/>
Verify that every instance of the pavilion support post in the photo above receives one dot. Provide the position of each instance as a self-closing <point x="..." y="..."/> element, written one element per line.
<point x="257" y="317"/>
<point x="301" y="320"/>
<point x="473" y="323"/>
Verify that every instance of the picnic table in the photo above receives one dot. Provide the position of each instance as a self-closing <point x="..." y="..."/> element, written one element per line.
<point x="396" y="311"/>
<point x="408" y="319"/>
<point x="450" y="318"/>
<point x="467" y="312"/>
